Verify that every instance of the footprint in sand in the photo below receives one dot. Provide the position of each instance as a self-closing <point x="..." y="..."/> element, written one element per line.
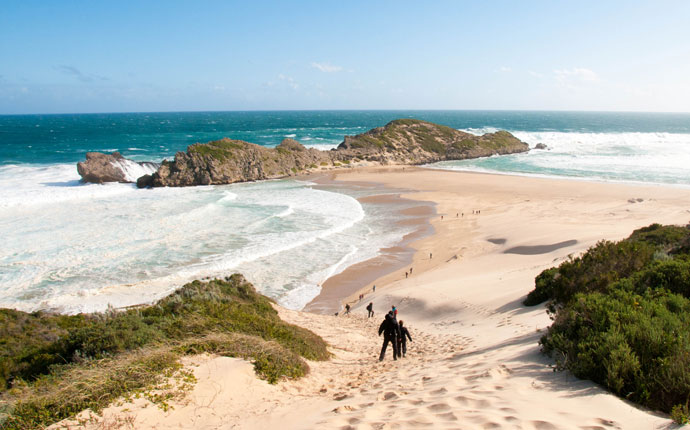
<point x="448" y="416"/>
<point x="420" y="423"/>
<point x="608" y="423"/>
<point x="543" y="425"/>
<point x="462" y="400"/>
<point x="388" y="395"/>
<point x="438" y="407"/>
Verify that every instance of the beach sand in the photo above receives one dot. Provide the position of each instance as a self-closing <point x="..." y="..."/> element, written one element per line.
<point x="474" y="362"/>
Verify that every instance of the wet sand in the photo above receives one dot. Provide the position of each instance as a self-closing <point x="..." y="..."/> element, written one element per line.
<point x="360" y="277"/>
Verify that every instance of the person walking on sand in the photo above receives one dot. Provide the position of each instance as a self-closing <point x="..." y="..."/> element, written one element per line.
<point x="395" y="311"/>
<point x="390" y="329"/>
<point x="374" y="288"/>
<point x="370" y="308"/>
<point x="347" y="308"/>
<point x="403" y="342"/>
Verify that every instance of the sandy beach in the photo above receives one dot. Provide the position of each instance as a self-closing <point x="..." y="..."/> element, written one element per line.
<point x="474" y="362"/>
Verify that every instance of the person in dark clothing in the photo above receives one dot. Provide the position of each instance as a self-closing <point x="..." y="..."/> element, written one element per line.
<point x="403" y="342"/>
<point x="391" y="331"/>
<point x="370" y="308"/>
<point x="347" y="308"/>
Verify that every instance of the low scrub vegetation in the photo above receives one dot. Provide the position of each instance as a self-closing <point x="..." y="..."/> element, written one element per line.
<point x="621" y="316"/>
<point x="53" y="366"/>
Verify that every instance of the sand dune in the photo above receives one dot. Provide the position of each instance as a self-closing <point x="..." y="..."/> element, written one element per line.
<point x="474" y="362"/>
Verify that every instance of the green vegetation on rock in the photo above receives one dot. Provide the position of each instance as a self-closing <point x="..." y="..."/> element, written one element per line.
<point x="53" y="366"/>
<point x="621" y="317"/>
<point x="219" y="149"/>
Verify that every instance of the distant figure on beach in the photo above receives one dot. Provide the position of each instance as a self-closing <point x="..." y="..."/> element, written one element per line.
<point x="347" y="308"/>
<point x="431" y="256"/>
<point x="457" y="214"/>
<point x="441" y="217"/>
<point x="405" y="275"/>
<point x="403" y="342"/>
<point x="374" y="288"/>
<point x="395" y="311"/>
<point x="370" y="308"/>
<point x="410" y="270"/>
<point x="391" y="331"/>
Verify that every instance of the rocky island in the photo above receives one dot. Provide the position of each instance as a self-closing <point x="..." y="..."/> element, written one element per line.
<point x="402" y="141"/>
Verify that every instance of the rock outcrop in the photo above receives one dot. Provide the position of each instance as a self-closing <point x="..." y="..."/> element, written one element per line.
<point x="541" y="146"/>
<point x="99" y="168"/>
<point x="403" y="141"/>
<point x="225" y="161"/>
<point x="411" y="141"/>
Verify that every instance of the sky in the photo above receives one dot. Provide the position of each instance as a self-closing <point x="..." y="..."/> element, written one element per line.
<point x="134" y="56"/>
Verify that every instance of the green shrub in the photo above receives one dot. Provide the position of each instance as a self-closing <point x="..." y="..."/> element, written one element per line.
<point x="638" y="346"/>
<point x="622" y="317"/>
<point x="680" y="414"/>
<point x="601" y="265"/>
<point x="58" y="365"/>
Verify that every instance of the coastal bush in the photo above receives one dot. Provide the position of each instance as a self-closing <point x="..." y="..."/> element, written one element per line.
<point x="638" y="346"/>
<point x="44" y="355"/>
<point x="621" y="317"/>
<point x="601" y="265"/>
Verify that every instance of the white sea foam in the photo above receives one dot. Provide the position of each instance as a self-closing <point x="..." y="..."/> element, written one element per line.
<point x="115" y="244"/>
<point x="662" y="158"/>
<point x="134" y="170"/>
<point x="323" y="146"/>
<point x="35" y="185"/>
<point x="479" y="131"/>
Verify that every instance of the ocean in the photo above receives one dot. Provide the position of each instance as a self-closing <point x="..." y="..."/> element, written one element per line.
<point x="76" y="247"/>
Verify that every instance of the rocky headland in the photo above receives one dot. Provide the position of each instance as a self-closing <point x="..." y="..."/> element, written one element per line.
<point x="402" y="141"/>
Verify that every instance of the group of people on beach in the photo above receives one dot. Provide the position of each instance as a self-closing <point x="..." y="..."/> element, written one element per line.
<point x="394" y="332"/>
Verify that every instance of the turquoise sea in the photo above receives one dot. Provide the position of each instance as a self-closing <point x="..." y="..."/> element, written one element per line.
<point x="79" y="247"/>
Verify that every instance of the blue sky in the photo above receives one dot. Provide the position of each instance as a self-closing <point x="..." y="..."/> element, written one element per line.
<point x="129" y="56"/>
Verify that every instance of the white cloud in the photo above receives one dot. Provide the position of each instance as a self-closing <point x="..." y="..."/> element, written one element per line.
<point x="505" y="69"/>
<point x="576" y="74"/>
<point x="535" y="74"/>
<point x="291" y="82"/>
<point x="326" y="67"/>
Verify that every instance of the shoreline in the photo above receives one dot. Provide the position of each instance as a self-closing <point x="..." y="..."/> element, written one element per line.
<point x="360" y="277"/>
<point x="385" y="269"/>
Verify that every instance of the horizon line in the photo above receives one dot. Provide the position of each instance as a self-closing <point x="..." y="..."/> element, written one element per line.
<point x="342" y="110"/>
